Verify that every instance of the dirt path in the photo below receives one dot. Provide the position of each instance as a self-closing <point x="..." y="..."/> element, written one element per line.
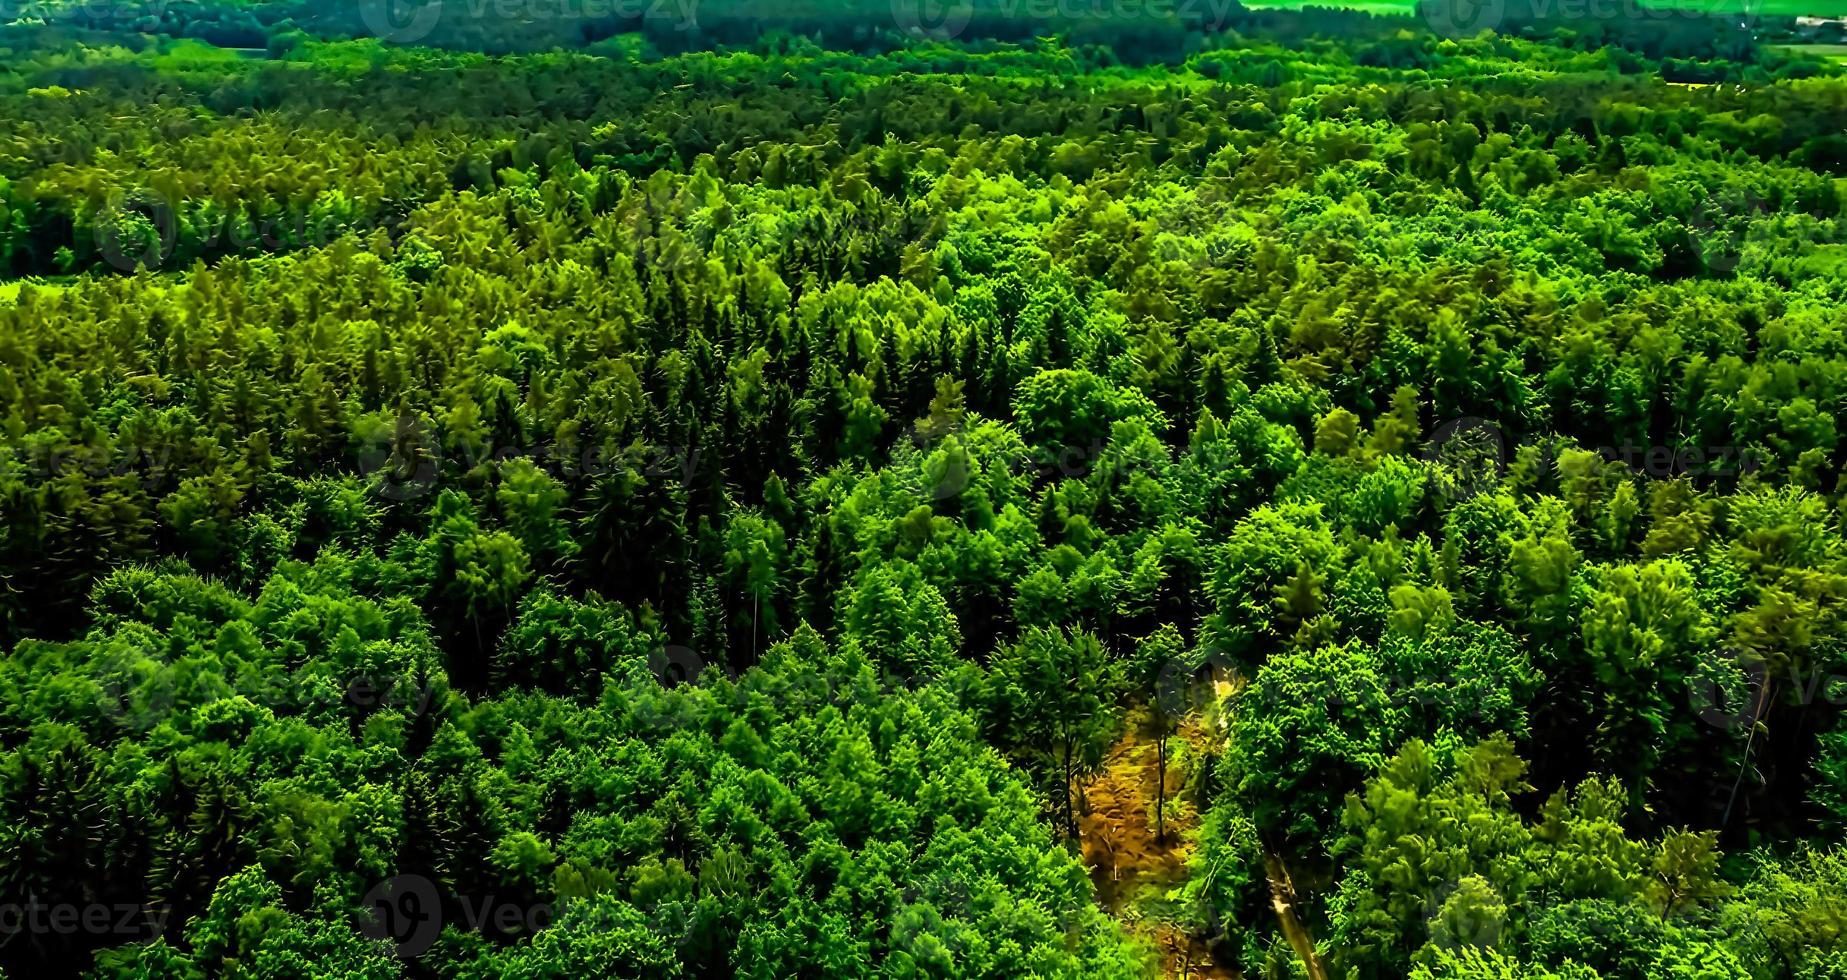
<point x="1282" y="886"/>
<point x="1282" y="897"/>
<point x="1131" y="870"/>
<point x="1118" y="838"/>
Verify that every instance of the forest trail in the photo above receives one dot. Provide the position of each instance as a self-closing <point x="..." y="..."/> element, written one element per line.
<point x="1131" y="871"/>
<point x="1282" y="897"/>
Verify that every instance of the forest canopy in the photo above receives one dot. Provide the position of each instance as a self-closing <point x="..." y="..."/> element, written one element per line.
<point x="1195" y="492"/>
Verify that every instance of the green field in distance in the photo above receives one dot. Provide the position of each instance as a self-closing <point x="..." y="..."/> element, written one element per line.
<point x="1784" y="8"/>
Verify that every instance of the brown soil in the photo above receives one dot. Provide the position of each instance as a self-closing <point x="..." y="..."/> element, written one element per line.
<point x="1130" y="868"/>
<point x="1128" y="865"/>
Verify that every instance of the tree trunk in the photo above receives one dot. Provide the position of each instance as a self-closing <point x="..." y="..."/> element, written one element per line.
<point x="1160" y="783"/>
<point x="1070" y="809"/>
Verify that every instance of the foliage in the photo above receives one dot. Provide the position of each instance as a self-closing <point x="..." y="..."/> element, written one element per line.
<point x="715" y="495"/>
